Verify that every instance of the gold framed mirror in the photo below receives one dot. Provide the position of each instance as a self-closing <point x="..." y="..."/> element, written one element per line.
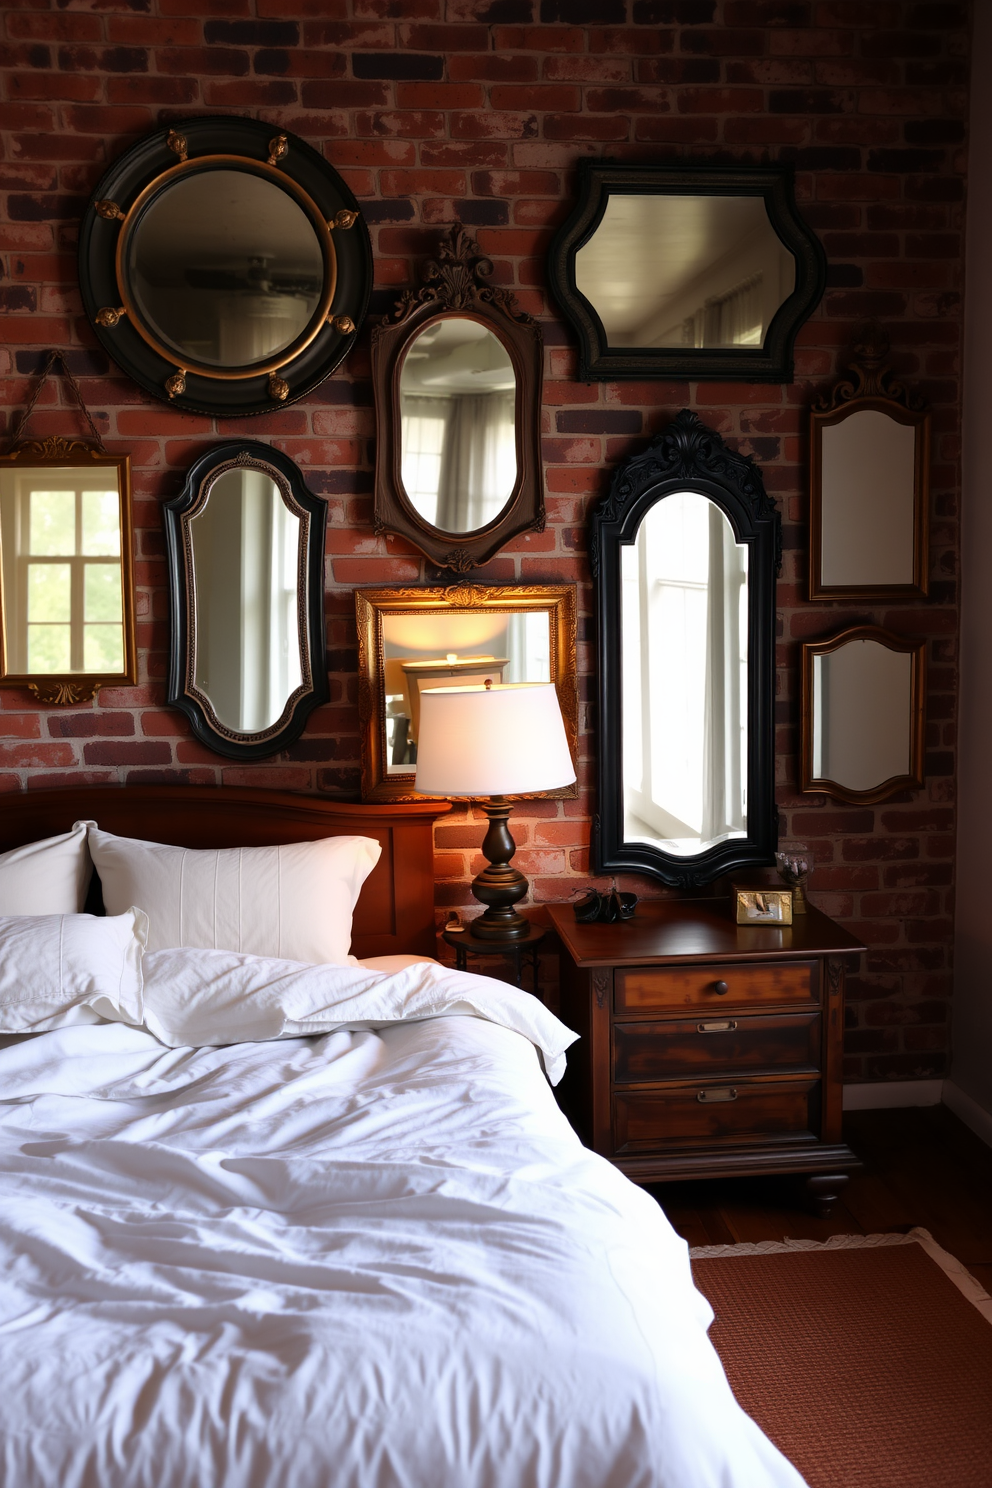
<point x="455" y="636"/>
<point x="66" y="571"/>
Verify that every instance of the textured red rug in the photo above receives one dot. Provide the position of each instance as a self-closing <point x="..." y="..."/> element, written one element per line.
<point x="867" y="1360"/>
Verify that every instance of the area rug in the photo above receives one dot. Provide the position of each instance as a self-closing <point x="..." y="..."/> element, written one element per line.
<point x="867" y="1360"/>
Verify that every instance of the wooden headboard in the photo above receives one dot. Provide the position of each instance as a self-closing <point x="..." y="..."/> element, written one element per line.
<point x="395" y="910"/>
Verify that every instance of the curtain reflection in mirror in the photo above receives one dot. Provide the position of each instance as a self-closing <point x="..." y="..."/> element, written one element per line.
<point x="60" y="539"/>
<point x="684" y="587"/>
<point x="246" y="555"/>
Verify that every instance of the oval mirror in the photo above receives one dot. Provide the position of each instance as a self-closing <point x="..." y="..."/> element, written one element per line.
<point x="686" y="270"/>
<point x="226" y="268"/>
<point x="245" y="544"/>
<point x="458" y="437"/>
<point x="684" y="551"/>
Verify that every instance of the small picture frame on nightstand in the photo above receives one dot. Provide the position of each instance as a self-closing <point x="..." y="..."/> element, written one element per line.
<point x="757" y="906"/>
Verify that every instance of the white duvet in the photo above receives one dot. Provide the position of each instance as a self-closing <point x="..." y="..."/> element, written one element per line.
<point x="374" y="1259"/>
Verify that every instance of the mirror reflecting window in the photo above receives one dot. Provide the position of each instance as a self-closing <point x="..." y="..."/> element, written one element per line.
<point x="460" y="648"/>
<point x="862" y="714"/>
<point x="412" y="639"/>
<point x="684" y="687"/>
<point x="686" y="270"/>
<point x="684" y="550"/>
<point x="245" y="543"/>
<point x="226" y="268"/>
<point x="458" y="435"/>
<point x="680" y="271"/>
<point x="66" y="572"/>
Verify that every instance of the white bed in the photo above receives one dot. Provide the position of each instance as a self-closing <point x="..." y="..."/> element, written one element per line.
<point x="377" y="1258"/>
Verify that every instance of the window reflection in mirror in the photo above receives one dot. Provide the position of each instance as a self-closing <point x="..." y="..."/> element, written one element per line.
<point x="60" y="539"/>
<point x="458" y="418"/>
<point x="862" y="717"/>
<point x="685" y="271"/>
<point x="684" y="677"/>
<point x="226" y="268"/>
<point x="455" y="649"/>
<point x="246" y="555"/>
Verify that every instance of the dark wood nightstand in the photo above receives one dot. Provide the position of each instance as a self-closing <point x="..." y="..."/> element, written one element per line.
<point x="465" y="944"/>
<point x="709" y="1049"/>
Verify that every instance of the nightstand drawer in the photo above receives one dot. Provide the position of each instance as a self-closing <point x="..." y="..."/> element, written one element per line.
<point x="789" y="1042"/>
<point x="650" y="988"/>
<point x="684" y="1115"/>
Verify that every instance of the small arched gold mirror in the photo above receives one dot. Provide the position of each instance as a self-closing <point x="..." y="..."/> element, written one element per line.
<point x="457" y="376"/>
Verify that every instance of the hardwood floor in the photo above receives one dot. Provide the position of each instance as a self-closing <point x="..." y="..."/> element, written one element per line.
<point x="922" y="1166"/>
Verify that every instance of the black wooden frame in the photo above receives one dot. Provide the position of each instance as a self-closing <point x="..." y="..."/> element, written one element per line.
<point x="181" y="692"/>
<point x="687" y="456"/>
<point x="267" y="151"/>
<point x="771" y="362"/>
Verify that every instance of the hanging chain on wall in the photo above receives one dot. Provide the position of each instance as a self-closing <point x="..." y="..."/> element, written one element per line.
<point x="55" y="446"/>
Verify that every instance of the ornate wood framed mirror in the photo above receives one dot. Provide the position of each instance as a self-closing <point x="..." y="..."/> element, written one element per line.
<point x="862" y="734"/>
<point x="686" y="270"/>
<point x="245" y="550"/>
<point x="66" y="570"/>
<point x="224" y="266"/>
<point x="869" y="496"/>
<point x="457" y="375"/>
<point x="456" y="636"/>
<point x="685" y="549"/>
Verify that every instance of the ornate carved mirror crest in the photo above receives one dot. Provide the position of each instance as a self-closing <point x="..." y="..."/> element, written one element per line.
<point x="224" y="266"/>
<point x="457" y="375"/>
<point x="66" y="568"/>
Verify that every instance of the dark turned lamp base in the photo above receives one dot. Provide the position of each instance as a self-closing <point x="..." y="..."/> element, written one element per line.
<point x="499" y="886"/>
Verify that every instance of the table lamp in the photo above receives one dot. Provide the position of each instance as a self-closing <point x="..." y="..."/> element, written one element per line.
<point x="494" y="742"/>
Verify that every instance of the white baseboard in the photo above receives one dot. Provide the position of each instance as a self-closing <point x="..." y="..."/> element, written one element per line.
<point x="883" y="1093"/>
<point x="970" y="1112"/>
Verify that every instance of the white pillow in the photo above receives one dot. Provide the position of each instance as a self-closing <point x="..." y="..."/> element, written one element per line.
<point x="56" y="970"/>
<point x="293" y="903"/>
<point x="46" y="878"/>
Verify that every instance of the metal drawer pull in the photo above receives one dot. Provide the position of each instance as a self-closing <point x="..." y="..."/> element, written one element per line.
<point x="711" y="1096"/>
<point x="721" y="989"/>
<point x="720" y="1025"/>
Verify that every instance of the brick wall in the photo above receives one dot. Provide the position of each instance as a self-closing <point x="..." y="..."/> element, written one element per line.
<point x="476" y="110"/>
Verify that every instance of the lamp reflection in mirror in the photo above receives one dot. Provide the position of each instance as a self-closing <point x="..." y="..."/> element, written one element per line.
<point x="458" y="426"/>
<point x="684" y="628"/>
<point x="494" y="742"/>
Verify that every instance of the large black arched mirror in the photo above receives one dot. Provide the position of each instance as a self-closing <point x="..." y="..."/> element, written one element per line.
<point x="225" y="266"/>
<point x="685" y="551"/>
<point x="245" y="546"/>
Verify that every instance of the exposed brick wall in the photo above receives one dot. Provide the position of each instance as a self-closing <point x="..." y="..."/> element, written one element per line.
<point x="476" y="110"/>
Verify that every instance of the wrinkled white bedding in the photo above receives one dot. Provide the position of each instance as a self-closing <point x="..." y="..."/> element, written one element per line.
<point x="377" y="1259"/>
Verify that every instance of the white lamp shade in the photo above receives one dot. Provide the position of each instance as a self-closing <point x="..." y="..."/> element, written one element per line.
<point x="499" y="741"/>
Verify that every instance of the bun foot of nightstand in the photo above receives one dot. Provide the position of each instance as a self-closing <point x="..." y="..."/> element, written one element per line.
<point x="822" y="1191"/>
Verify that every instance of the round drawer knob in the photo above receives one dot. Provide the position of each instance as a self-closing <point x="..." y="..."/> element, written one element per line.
<point x="720" y="988"/>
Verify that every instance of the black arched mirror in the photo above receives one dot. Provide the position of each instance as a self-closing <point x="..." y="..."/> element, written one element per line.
<point x="685" y="550"/>
<point x="245" y="547"/>
<point x="457" y="376"/>
<point x="225" y="266"/>
<point x="686" y="270"/>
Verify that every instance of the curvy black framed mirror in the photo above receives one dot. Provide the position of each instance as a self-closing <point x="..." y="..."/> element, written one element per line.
<point x="224" y="266"/>
<point x="686" y="270"/>
<point x="685" y="549"/>
<point x="245" y="550"/>
<point x="457" y="375"/>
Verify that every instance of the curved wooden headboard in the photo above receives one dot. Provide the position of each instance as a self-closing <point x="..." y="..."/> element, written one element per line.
<point x="395" y="910"/>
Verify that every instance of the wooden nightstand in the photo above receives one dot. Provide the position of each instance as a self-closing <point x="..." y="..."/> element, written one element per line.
<point x="709" y="1049"/>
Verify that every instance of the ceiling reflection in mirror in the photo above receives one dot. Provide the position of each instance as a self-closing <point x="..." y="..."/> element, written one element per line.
<point x="246" y="555"/>
<point x="455" y="649"/>
<point x="226" y="268"/>
<point x="458" y="425"/>
<point x="685" y="271"/>
<point x="684" y="659"/>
